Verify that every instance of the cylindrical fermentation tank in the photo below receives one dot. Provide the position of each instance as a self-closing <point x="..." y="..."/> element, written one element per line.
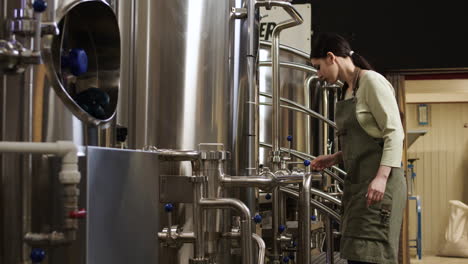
<point x="187" y="83"/>
<point x="51" y="102"/>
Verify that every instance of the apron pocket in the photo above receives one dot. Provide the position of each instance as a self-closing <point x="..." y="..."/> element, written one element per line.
<point x="360" y="221"/>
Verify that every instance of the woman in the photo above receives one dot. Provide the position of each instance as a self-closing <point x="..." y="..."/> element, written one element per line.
<point x="371" y="139"/>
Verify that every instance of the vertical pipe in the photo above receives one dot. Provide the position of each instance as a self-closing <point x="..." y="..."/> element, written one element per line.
<point x="329" y="237"/>
<point x="326" y="179"/>
<point x="304" y="222"/>
<point x="198" y="246"/>
<point x="249" y="134"/>
<point x="276" y="97"/>
<point x="275" y="224"/>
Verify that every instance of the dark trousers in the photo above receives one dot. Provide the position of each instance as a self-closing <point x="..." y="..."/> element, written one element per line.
<point x="358" y="262"/>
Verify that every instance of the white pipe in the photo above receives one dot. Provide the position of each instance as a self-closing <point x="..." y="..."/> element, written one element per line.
<point x="69" y="176"/>
<point x="65" y="149"/>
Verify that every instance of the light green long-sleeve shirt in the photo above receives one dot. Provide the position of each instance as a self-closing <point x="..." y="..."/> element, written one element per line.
<point x="378" y="114"/>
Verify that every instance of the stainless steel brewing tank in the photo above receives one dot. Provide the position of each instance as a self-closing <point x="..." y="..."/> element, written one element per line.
<point x="180" y="88"/>
<point x="181" y="91"/>
<point x="25" y="205"/>
<point x="293" y="86"/>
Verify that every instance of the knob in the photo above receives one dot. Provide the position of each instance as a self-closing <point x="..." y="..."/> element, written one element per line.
<point x="39" y="6"/>
<point x="291" y="257"/>
<point x="281" y="228"/>
<point x="257" y="219"/>
<point x="78" y="214"/>
<point x="76" y="60"/>
<point x="268" y="196"/>
<point x="313" y="217"/>
<point x="37" y="255"/>
<point x="306" y="163"/>
<point x="289" y="138"/>
<point x="168" y="207"/>
<point x="94" y="101"/>
<point x="286" y="259"/>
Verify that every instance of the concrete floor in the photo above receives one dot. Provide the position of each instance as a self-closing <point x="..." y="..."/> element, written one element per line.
<point x="431" y="259"/>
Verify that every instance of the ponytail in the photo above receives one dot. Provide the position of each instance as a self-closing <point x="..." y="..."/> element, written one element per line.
<point x="360" y="61"/>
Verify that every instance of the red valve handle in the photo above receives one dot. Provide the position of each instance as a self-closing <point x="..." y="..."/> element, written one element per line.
<point x="78" y="214"/>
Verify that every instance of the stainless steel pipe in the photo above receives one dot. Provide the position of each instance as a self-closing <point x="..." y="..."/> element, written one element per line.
<point x="246" y="227"/>
<point x="304" y="222"/>
<point x="321" y="207"/>
<point x="305" y="156"/>
<point x="305" y="109"/>
<point x="261" y="248"/>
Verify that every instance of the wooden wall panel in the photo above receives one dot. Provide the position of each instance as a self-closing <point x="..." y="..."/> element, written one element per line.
<point x="442" y="170"/>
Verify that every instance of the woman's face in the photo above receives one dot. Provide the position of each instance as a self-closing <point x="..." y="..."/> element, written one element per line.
<point x="327" y="68"/>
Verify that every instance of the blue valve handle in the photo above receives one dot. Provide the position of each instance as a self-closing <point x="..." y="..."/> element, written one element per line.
<point x="40" y="6"/>
<point x="281" y="228"/>
<point x="286" y="259"/>
<point x="313" y="217"/>
<point x="76" y="60"/>
<point x="37" y="255"/>
<point x="291" y="257"/>
<point x="289" y="138"/>
<point x="168" y="207"/>
<point x="257" y="218"/>
<point x="306" y="163"/>
<point x="268" y="196"/>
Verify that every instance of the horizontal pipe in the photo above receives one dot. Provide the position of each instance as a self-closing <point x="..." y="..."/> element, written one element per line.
<point x="307" y="110"/>
<point x="177" y="155"/>
<point x="290" y="49"/>
<point x="39" y="239"/>
<point x="184" y="237"/>
<point x="321" y="194"/>
<point x="291" y="65"/>
<point x="321" y="207"/>
<point x="305" y="156"/>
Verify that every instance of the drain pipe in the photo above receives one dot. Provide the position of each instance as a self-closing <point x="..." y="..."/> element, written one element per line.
<point x="69" y="177"/>
<point x="246" y="227"/>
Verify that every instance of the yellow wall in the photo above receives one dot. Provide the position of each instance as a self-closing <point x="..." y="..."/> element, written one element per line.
<point x="442" y="171"/>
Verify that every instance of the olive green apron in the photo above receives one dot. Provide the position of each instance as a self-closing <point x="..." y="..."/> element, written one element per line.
<point x="369" y="234"/>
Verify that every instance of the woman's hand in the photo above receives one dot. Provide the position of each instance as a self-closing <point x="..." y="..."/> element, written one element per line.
<point x="376" y="189"/>
<point x="325" y="161"/>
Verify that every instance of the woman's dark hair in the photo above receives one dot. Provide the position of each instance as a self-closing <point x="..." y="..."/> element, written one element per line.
<point x="323" y="43"/>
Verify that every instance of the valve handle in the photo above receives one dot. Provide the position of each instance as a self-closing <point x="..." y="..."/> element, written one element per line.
<point x="268" y="196"/>
<point x="39" y="6"/>
<point x="168" y="207"/>
<point x="306" y="163"/>
<point x="257" y="218"/>
<point x="76" y="60"/>
<point x="281" y="228"/>
<point x="289" y="138"/>
<point x="37" y="255"/>
<point x="80" y="214"/>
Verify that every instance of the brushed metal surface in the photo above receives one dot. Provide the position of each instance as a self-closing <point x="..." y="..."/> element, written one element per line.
<point x="123" y="218"/>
